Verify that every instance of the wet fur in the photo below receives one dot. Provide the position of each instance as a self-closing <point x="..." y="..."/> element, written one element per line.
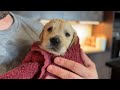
<point x="59" y="28"/>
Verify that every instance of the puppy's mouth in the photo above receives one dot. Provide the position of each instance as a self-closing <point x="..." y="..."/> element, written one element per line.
<point x="53" y="48"/>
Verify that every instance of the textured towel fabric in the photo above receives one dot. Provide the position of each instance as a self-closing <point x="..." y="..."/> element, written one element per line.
<point x="24" y="71"/>
<point x="37" y="60"/>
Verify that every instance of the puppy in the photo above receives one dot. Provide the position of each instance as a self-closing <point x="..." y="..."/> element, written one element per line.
<point x="57" y="36"/>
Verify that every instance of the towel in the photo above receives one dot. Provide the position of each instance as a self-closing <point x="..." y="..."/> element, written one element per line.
<point x="37" y="60"/>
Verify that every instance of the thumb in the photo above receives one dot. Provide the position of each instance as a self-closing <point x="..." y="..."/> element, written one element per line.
<point x="86" y="60"/>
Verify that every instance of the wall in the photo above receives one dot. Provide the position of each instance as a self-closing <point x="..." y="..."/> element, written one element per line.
<point x="67" y="15"/>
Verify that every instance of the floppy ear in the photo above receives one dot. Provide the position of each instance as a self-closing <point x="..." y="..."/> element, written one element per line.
<point x="74" y="39"/>
<point x="41" y="36"/>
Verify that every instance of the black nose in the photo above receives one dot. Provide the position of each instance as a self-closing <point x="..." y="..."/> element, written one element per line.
<point x="55" y="41"/>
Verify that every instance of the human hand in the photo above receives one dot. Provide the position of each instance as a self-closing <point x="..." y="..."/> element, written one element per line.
<point x="79" y="71"/>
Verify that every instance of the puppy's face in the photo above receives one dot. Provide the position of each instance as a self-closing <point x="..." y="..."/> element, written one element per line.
<point x="57" y="36"/>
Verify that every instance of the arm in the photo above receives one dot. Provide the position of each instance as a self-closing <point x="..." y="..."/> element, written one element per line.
<point x="6" y="20"/>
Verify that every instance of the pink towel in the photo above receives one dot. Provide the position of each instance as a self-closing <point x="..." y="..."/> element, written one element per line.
<point x="37" y="60"/>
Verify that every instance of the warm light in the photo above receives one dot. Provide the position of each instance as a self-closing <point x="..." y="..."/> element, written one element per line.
<point x="83" y="31"/>
<point x="90" y="22"/>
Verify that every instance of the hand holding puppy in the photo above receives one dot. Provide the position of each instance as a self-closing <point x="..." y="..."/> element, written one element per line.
<point x="78" y="70"/>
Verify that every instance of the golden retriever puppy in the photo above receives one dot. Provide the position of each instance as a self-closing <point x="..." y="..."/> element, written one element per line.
<point x="57" y="36"/>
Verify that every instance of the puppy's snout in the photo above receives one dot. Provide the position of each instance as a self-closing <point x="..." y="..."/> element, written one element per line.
<point x="55" y="41"/>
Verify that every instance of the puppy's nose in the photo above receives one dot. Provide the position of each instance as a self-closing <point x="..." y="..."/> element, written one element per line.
<point x="55" y="41"/>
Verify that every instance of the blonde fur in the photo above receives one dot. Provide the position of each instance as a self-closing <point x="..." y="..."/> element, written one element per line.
<point x="59" y="28"/>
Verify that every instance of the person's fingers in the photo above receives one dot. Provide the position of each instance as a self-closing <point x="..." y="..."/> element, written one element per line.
<point x="90" y="65"/>
<point x="62" y="73"/>
<point x="77" y="68"/>
<point x="87" y="61"/>
<point x="49" y="77"/>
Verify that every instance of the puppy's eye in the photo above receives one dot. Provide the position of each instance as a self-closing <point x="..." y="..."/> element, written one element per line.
<point x="67" y="34"/>
<point x="50" y="29"/>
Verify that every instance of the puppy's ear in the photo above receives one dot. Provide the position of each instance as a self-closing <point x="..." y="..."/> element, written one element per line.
<point x="74" y="40"/>
<point x="41" y="36"/>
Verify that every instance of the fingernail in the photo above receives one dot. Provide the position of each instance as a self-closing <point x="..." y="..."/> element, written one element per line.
<point x="47" y="77"/>
<point x="57" y="60"/>
<point x="49" y="68"/>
